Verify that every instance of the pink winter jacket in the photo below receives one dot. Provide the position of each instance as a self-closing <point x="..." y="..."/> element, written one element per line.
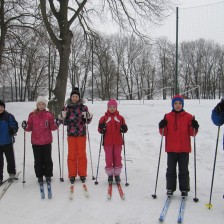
<point x="41" y="123"/>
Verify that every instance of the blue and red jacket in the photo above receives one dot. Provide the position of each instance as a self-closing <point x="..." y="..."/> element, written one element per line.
<point x="7" y="120"/>
<point x="218" y="119"/>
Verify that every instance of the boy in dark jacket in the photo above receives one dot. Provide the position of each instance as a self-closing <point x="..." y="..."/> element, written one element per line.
<point x="177" y="127"/>
<point x="8" y="128"/>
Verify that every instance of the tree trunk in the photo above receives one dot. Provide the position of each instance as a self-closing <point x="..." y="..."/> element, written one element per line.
<point x="57" y="104"/>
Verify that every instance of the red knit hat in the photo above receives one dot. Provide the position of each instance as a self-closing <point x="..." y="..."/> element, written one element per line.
<point x="112" y="102"/>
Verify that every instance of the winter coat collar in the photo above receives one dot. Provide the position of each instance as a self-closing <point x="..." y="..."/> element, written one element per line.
<point x="109" y="114"/>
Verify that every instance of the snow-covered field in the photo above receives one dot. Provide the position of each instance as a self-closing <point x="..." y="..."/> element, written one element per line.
<point x="22" y="203"/>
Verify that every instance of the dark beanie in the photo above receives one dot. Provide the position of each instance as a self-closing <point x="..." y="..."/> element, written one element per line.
<point x="178" y="98"/>
<point x="2" y="103"/>
<point x="75" y="91"/>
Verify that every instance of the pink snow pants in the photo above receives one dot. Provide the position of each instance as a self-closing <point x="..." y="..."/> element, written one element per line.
<point x="113" y="159"/>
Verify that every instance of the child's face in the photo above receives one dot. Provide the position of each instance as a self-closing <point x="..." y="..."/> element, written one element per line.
<point x="178" y="106"/>
<point x="41" y="106"/>
<point x="112" y="108"/>
<point x="75" y="98"/>
<point x="2" y="109"/>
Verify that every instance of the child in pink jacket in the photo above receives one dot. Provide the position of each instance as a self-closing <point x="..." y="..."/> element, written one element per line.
<point x="41" y="123"/>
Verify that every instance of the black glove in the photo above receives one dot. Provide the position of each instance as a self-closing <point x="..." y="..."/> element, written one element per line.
<point x="124" y="128"/>
<point x="24" y="124"/>
<point x="194" y="124"/>
<point x="163" y="123"/>
<point x="57" y="121"/>
<point x="11" y="131"/>
<point x="102" y="127"/>
<point x="220" y="106"/>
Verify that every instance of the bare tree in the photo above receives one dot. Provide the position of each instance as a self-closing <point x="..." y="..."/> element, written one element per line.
<point x="151" y="10"/>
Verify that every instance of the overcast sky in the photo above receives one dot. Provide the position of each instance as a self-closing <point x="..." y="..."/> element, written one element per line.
<point x="197" y="19"/>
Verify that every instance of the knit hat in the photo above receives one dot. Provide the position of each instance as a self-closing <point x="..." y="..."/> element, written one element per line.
<point x="2" y="103"/>
<point x="178" y="98"/>
<point x="75" y="91"/>
<point x="112" y="102"/>
<point x="41" y="99"/>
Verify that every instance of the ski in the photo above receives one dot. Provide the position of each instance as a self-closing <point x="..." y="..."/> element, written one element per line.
<point x="122" y="195"/>
<point x="71" y="191"/>
<point x="42" y="193"/>
<point x="181" y="210"/>
<point x="8" y="184"/>
<point x="49" y="190"/>
<point x="109" y="191"/>
<point x="165" y="209"/>
<point x="4" y="181"/>
<point x="85" y="189"/>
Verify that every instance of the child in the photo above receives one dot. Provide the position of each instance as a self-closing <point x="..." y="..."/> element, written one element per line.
<point x="177" y="127"/>
<point x="41" y="123"/>
<point x="76" y="116"/>
<point x="8" y="128"/>
<point x="218" y="115"/>
<point x="111" y="125"/>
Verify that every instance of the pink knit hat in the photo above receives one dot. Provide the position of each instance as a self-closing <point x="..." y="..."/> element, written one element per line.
<point x="112" y="102"/>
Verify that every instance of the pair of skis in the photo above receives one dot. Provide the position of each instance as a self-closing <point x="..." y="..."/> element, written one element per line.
<point x="42" y="191"/>
<point x="72" y="189"/>
<point x="8" y="182"/>
<point x="180" y="217"/>
<point x="120" y="190"/>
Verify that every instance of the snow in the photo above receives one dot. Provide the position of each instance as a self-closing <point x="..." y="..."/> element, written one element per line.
<point x="22" y="203"/>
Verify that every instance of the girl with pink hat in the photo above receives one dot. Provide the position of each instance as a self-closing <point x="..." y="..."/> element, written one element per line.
<point x="111" y="125"/>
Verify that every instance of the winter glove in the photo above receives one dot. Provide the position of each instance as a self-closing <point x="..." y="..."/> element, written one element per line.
<point x="220" y="106"/>
<point x="163" y="123"/>
<point x="102" y="127"/>
<point x="87" y="115"/>
<point x="63" y="114"/>
<point x="11" y="131"/>
<point x="57" y="121"/>
<point x="124" y="128"/>
<point x="24" y="124"/>
<point x="194" y="124"/>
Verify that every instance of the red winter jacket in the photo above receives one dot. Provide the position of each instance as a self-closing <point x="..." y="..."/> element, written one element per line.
<point x="113" y="123"/>
<point x="41" y="123"/>
<point x="178" y="131"/>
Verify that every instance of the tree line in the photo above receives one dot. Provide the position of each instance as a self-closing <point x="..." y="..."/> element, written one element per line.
<point x="123" y="66"/>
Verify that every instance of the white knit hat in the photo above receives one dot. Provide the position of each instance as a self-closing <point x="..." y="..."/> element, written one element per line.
<point x="42" y="100"/>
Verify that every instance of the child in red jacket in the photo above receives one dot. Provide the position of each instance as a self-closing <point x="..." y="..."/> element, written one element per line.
<point x="41" y="123"/>
<point x="111" y="125"/>
<point x="177" y="127"/>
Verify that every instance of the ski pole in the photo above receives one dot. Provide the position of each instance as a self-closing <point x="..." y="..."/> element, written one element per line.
<point x="63" y="149"/>
<point x="161" y="144"/>
<point x="59" y="156"/>
<point x="209" y="205"/>
<point x="126" y="178"/>
<point x="101" y="140"/>
<point x="87" y="130"/>
<point x="195" y="176"/>
<point x="24" y="157"/>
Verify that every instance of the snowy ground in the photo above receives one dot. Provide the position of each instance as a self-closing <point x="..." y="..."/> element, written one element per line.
<point x="23" y="205"/>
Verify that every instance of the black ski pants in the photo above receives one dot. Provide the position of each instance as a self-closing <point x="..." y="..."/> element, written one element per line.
<point x="9" y="154"/>
<point x="43" y="164"/>
<point x="171" y="175"/>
